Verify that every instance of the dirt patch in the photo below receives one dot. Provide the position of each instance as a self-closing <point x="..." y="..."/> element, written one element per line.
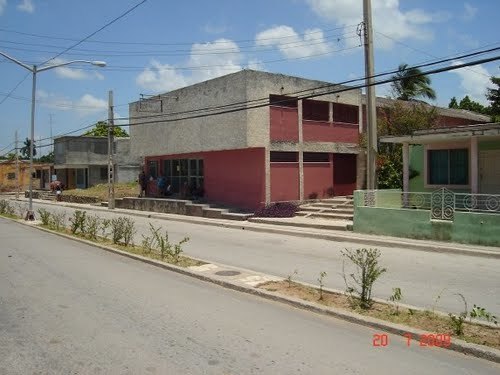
<point x="424" y="320"/>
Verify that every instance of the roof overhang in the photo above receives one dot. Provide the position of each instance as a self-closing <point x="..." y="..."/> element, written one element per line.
<point x="458" y="133"/>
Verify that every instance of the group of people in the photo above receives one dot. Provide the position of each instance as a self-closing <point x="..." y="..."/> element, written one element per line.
<point x="165" y="187"/>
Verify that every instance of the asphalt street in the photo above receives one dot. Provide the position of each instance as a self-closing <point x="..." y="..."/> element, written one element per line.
<point x="69" y="308"/>
<point x="429" y="280"/>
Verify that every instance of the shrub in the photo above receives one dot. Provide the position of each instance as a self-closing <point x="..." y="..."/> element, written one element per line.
<point x="6" y="208"/>
<point x="321" y="277"/>
<point x="92" y="226"/>
<point x="117" y="229"/>
<point x="367" y="272"/>
<point x="395" y="298"/>
<point x="45" y="216"/>
<point x="57" y="221"/>
<point x="128" y="230"/>
<point x="105" y="223"/>
<point x="279" y="209"/>
<point x="78" y="222"/>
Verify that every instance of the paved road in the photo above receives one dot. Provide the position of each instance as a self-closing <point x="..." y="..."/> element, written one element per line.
<point x="422" y="276"/>
<point x="68" y="308"/>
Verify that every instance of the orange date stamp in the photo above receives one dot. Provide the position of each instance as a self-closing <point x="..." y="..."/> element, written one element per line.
<point x="439" y="340"/>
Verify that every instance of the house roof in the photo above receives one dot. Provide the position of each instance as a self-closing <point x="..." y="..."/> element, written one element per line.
<point x="447" y="134"/>
<point x="448" y="112"/>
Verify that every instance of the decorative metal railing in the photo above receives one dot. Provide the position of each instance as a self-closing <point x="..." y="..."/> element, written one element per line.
<point x="442" y="203"/>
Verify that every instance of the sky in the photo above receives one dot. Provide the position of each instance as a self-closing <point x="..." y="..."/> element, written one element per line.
<point x="163" y="45"/>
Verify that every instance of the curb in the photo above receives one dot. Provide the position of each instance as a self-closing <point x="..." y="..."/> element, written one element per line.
<point x="457" y="345"/>
<point x="297" y="232"/>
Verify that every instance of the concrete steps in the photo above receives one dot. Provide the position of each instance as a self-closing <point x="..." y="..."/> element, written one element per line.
<point x="337" y="208"/>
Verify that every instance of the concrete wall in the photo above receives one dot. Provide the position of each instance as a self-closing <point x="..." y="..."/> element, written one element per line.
<point x="284" y="182"/>
<point x="226" y="131"/>
<point x="467" y="227"/>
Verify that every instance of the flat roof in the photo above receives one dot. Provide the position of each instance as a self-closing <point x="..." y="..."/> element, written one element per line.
<point x="451" y="133"/>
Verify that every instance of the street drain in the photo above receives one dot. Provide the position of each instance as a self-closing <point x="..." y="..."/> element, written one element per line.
<point x="227" y="273"/>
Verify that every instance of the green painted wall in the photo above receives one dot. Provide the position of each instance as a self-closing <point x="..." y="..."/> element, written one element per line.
<point x="489" y="145"/>
<point x="417" y="164"/>
<point x="470" y="228"/>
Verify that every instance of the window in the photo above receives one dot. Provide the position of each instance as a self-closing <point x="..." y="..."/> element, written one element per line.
<point x="178" y="171"/>
<point x="284" y="157"/>
<point x="316" y="157"/>
<point x="448" y="167"/>
<point x="11" y="176"/>
<point x="103" y="173"/>
<point x="315" y="110"/>
<point x="283" y="101"/>
<point x="345" y="113"/>
<point x="101" y="148"/>
<point x="153" y="168"/>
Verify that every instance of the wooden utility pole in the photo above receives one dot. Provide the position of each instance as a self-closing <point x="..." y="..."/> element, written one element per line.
<point x="111" y="172"/>
<point x="371" y="109"/>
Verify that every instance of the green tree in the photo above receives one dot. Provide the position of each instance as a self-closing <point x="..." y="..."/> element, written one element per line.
<point x="397" y="120"/>
<point x="453" y="103"/>
<point x="49" y="158"/>
<point x="493" y="95"/>
<point x="25" y="150"/>
<point x="410" y="84"/>
<point x="471" y="105"/>
<point x="100" y="129"/>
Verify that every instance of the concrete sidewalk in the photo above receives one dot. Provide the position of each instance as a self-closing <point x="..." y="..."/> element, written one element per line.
<point x="324" y="230"/>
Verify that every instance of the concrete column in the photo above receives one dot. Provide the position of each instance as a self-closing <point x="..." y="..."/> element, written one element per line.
<point x="300" y="149"/>
<point x="267" y="160"/>
<point x="406" y="167"/>
<point x="474" y="166"/>
<point x="330" y="112"/>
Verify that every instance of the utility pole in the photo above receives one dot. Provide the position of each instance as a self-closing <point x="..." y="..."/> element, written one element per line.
<point x="111" y="177"/>
<point x="371" y="109"/>
<point x="17" y="169"/>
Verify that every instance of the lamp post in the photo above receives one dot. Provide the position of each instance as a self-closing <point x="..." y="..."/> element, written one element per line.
<point x="30" y="215"/>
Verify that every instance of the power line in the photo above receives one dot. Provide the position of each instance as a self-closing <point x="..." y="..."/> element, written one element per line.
<point x="95" y="32"/>
<point x="335" y="91"/>
<point x="9" y="94"/>
<point x="422" y="65"/>
<point x="169" y="44"/>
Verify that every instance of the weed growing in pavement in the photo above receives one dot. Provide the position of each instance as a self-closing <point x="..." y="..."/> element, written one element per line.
<point x="44" y="216"/>
<point x="367" y="272"/>
<point x="395" y="298"/>
<point x="321" y="277"/>
<point x="457" y="321"/>
<point x="92" y="226"/>
<point x="162" y="244"/>
<point x="290" y="276"/>
<point x="178" y="249"/>
<point x="78" y="222"/>
<point x="147" y="244"/>
<point x="479" y="312"/>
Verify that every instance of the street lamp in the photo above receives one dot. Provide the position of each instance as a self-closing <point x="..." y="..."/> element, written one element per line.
<point x="30" y="215"/>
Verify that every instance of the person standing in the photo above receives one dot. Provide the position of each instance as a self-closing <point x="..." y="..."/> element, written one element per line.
<point x="143" y="184"/>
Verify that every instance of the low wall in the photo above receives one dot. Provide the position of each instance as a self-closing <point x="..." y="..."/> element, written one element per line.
<point x="467" y="227"/>
<point x="171" y="206"/>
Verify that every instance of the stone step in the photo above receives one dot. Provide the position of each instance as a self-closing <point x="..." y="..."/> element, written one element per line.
<point x="345" y="211"/>
<point x="326" y="215"/>
<point x="214" y="213"/>
<point x="236" y="216"/>
<point x="324" y="206"/>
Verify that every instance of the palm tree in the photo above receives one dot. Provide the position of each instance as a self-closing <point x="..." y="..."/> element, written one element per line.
<point x="25" y="150"/>
<point x="410" y="83"/>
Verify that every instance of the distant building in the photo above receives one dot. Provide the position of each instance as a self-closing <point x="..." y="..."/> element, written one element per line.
<point x="9" y="178"/>
<point x="82" y="161"/>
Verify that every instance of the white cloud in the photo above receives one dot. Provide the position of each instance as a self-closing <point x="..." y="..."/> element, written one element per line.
<point x="203" y="62"/>
<point x="469" y="12"/>
<point x="292" y="45"/>
<point x="212" y="29"/>
<point x="74" y="73"/>
<point x="3" y="4"/>
<point x="26" y="6"/>
<point x="255" y="64"/>
<point x="85" y="105"/>
<point x="388" y="19"/>
<point x="474" y="81"/>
